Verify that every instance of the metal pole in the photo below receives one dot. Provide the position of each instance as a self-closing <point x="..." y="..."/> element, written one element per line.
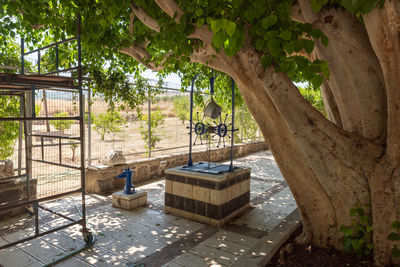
<point x="149" y="124"/>
<point x="22" y="56"/>
<point x="190" y="161"/>
<point x="233" y="124"/>
<point x="57" y="57"/>
<point x="241" y="122"/>
<point x="20" y="134"/>
<point x="82" y="126"/>
<point x="38" y="56"/>
<point x="89" y="128"/>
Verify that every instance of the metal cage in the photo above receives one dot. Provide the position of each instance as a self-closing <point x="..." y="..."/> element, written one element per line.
<point x="34" y="146"/>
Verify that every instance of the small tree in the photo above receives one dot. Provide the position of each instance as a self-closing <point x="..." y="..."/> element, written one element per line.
<point x="181" y="108"/>
<point x="73" y="148"/>
<point x="9" y="107"/>
<point x="61" y="125"/>
<point x="157" y="119"/>
<point x="108" y="123"/>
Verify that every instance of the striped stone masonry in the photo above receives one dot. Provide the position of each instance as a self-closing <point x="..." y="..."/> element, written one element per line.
<point x="208" y="198"/>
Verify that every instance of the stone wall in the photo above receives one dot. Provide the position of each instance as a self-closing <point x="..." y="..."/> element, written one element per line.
<point x="103" y="179"/>
<point x="14" y="191"/>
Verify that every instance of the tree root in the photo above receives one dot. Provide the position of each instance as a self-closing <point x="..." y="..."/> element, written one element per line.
<point x="305" y="238"/>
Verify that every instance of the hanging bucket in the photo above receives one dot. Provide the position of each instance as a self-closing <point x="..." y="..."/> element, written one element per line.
<point x="212" y="109"/>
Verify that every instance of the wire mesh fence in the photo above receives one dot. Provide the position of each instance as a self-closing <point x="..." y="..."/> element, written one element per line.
<point x="161" y="129"/>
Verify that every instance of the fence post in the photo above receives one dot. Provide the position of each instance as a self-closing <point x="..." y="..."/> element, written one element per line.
<point x="89" y="128"/>
<point x="241" y="124"/>
<point x="149" y="123"/>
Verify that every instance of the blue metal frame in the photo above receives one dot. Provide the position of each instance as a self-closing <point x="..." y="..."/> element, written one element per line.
<point x="212" y="80"/>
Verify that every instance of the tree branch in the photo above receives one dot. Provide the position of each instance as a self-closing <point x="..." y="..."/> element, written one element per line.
<point x="141" y="55"/>
<point x="171" y="8"/>
<point x="355" y="78"/>
<point x="383" y="30"/>
<point x="144" y="17"/>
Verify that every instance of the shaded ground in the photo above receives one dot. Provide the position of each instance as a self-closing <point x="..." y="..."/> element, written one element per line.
<point x="301" y="256"/>
<point x="154" y="238"/>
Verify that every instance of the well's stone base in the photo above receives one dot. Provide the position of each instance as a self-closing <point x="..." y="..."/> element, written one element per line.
<point x="129" y="202"/>
<point x="208" y="198"/>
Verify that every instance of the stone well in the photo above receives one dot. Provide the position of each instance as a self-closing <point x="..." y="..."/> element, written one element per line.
<point x="208" y="198"/>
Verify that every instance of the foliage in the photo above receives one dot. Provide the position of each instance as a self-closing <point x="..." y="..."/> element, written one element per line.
<point x="358" y="237"/>
<point x="9" y="130"/>
<point x="182" y="108"/>
<point x="73" y="146"/>
<point x="314" y="97"/>
<point x="108" y="123"/>
<point x="156" y="120"/>
<point x="395" y="237"/>
<point x="61" y="125"/>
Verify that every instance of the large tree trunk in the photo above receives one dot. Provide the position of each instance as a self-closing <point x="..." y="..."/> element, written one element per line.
<point x="330" y="164"/>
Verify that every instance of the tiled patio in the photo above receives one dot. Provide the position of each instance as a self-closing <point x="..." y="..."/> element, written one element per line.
<point x="149" y="237"/>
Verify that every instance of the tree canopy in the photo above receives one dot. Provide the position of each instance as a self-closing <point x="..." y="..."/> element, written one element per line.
<point x="348" y="48"/>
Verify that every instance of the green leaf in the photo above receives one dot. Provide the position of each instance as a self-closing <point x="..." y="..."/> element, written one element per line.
<point x="216" y="25"/>
<point x="308" y="45"/>
<point x="395" y="225"/>
<point x="395" y="252"/>
<point x="230" y="27"/>
<point x="259" y="44"/>
<point x="356" y="244"/>
<point x="269" y="21"/>
<point x="316" y="5"/>
<point x="266" y="60"/>
<point x="274" y="46"/>
<point x="237" y="3"/>
<point x="286" y="35"/>
<point x="200" y="22"/>
<point x="347" y="244"/>
<point x="98" y="12"/>
<point x="369" y="229"/>
<point x="346" y="230"/>
<point x="218" y="39"/>
<point x="199" y="12"/>
<point x="289" y="47"/>
<point x="324" y="40"/>
<point x="394" y="236"/>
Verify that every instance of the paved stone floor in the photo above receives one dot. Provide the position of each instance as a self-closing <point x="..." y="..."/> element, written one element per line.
<point x="149" y="237"/>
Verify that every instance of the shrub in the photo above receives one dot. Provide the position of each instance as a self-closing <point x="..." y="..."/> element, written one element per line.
<point x="181" y="108"/>
<point x="9" y="107"/>
<point x="157" y="119"/>
<point x="108" y="123"/>
<point x="61" y="125"/>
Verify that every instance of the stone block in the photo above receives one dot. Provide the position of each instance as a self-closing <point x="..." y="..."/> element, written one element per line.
<point x="208" y="198"/>
<point x="6" y="169"/>
<point x="114" y="157"/>
<point x="129" y="202"/>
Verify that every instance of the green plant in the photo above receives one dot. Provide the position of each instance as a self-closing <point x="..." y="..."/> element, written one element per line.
<point x="181" y="108"/>
<point x="108" y="123"/>
<point x="73" y="147"/>
<point x="9" y="107"/>
<point x="395" y="236"/>
<point x="314" y="97"/>
<point x="61" y="125"/>
<point x="38" y="108"/>
<point x="358" y="237"/>
<point x="156" y="120"/>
